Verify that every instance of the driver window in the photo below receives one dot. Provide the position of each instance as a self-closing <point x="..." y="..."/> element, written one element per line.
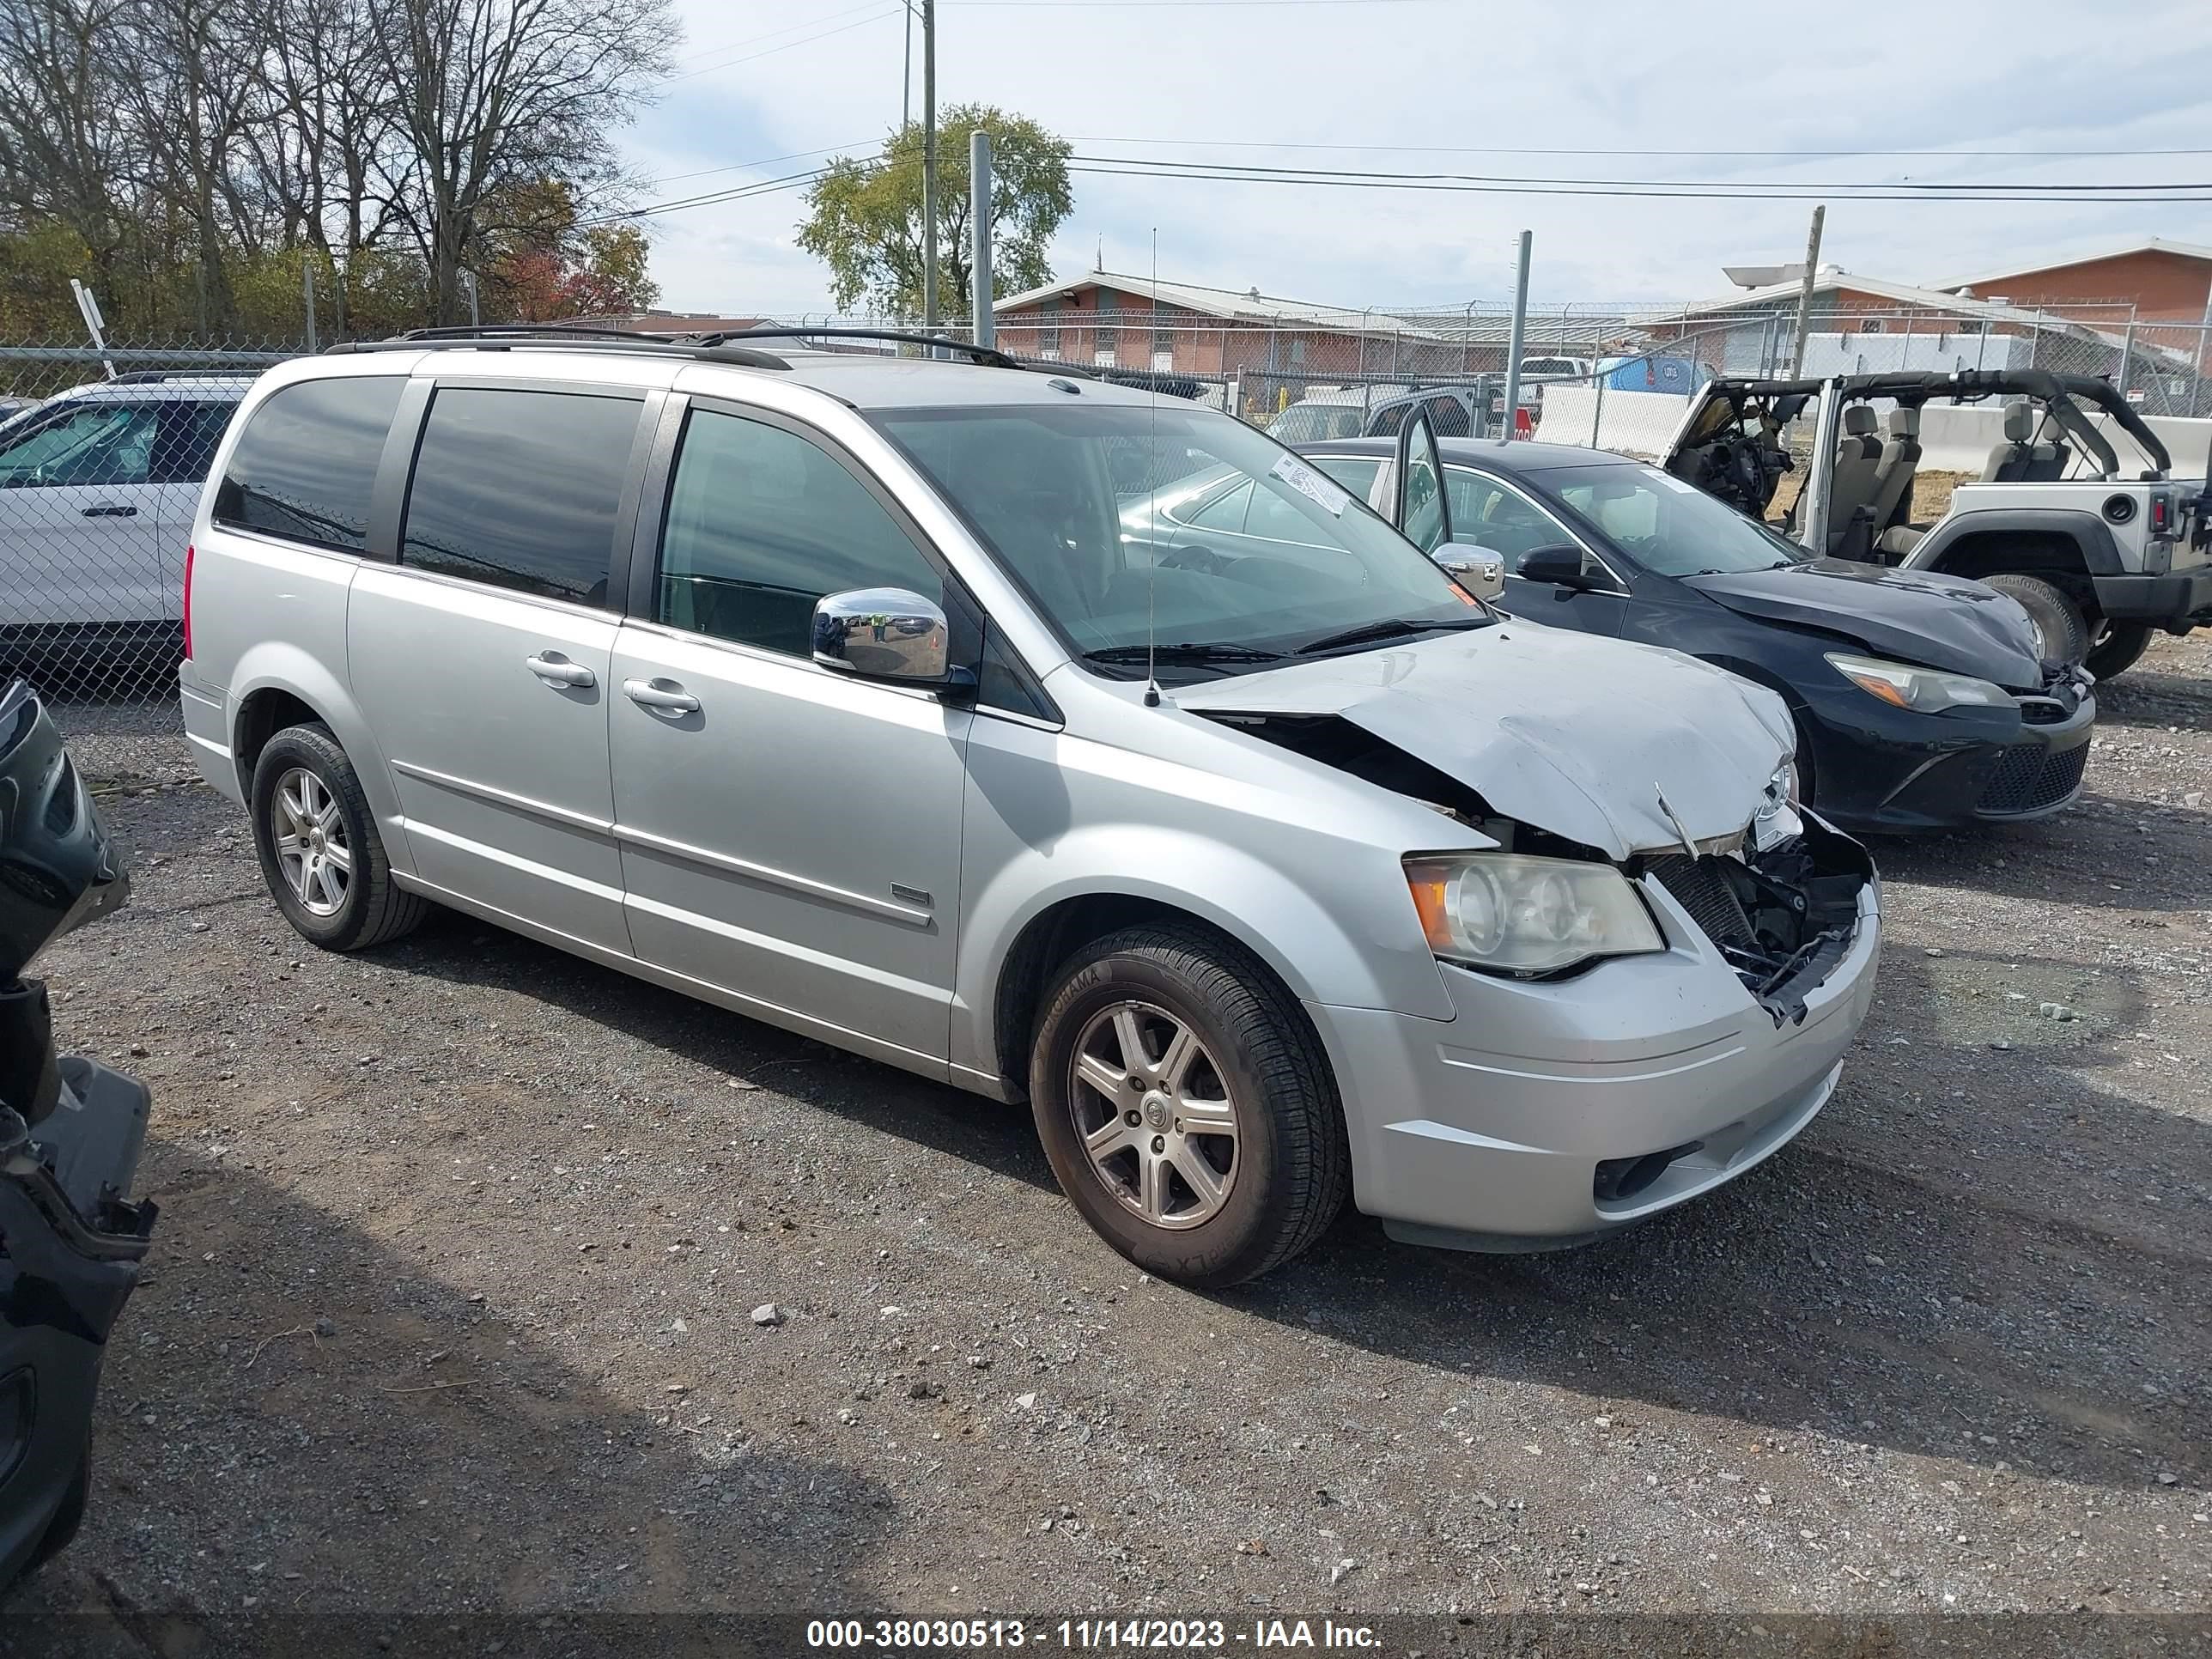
<point x="1272" y="515"/>
<point x="1424" y="524"/>
<point x="1486" y="512"/>
<point x="1226" y="511"/>
<point x="761" y="523"/>
<point x="99" y="444"/>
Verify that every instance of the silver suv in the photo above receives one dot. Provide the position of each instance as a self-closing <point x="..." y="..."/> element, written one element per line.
<point x="869" y="697"/>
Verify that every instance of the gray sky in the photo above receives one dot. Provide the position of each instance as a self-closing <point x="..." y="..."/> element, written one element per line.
<point x="1427" y="77"/>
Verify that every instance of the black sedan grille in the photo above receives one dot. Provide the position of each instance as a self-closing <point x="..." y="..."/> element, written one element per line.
<point x="2031" y="777"/>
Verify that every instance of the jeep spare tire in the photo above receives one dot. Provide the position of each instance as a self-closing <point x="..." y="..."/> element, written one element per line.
<point x="2062" y="635"/>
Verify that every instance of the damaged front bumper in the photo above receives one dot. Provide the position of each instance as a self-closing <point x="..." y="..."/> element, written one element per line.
<point x="71" y="1247"/>
<point x="1550" y="1111"/>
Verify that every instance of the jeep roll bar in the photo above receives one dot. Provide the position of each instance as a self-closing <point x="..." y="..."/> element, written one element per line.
<point x="1913" y="387"/>
<point x="2107" y="397"/>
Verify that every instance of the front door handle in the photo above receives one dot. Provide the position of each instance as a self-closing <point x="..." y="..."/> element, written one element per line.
<point x="556" y="670"/>
<point x="110" y="511"/>
<point x="661" y="694"/>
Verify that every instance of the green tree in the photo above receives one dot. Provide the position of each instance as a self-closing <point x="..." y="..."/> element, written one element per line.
<point x="863" y="217"/>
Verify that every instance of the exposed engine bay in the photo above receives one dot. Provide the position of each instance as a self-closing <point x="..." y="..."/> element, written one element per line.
<point x="1779" y="900"/>
<point x="1782" y="917"/>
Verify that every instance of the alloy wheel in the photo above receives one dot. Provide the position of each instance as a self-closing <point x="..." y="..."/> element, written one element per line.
<point x="1155" y="1114"/>
<point x="309" y="833"/>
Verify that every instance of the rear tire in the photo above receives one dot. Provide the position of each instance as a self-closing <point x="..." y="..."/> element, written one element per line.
<point x="1205" y="1207"/>
<point x="320" y="854"/>
<point x="2117" y="652"/>
<point x="2061" y="630"/>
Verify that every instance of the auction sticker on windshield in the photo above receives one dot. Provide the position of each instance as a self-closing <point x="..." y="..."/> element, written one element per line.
<point x="1309" y="483"/>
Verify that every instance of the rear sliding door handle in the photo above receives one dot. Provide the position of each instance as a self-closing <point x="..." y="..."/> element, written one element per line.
<point x="556" y="670"/>
<point x="661" y="694"/>
<point x="110" y="511"/>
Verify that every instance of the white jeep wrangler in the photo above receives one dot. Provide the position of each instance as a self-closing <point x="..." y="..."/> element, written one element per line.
<point x="2099" y="559"/>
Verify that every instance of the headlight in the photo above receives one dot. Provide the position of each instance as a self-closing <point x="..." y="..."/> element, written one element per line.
<point x="1923" y="689"/>
<point x="1510" y="913"/>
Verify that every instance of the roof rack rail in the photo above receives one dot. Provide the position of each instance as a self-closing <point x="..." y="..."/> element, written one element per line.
<point x="505" y="336"/>
<point x="156" y="376"/>
<point x="527" y="331"/>
<point x="987" y="356"/>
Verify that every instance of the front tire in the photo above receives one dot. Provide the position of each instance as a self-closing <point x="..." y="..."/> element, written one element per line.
<point x="2116" y="650"/>
<point x="321" y="856"/>
<point x="1187" y="1107"/>
<point x="2062" y="634"/>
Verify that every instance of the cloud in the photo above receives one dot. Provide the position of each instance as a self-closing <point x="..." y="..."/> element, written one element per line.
<point x="1473" y="84"/>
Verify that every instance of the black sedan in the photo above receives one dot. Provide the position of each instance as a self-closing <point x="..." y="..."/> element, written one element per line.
<point x="1920" y="699"/>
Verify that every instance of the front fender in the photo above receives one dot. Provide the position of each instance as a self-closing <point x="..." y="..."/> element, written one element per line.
<point x="1322" y="953"/>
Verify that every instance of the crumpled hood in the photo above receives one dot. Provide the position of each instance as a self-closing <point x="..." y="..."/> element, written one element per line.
<point x="1574" y="735"/>
<point x="1916" y="616"/>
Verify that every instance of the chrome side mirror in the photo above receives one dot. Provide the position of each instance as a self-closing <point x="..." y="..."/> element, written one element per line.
<point x="883" y="634"/>
<point x="1475" y="567"/>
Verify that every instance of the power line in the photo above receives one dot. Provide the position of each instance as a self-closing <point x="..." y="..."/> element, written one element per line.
<point x="713" y="198"/>
<point x="1125" y="166"/>
<point x="1735" y="154"/>
<point x="771" y="34"/>
<point x="803" y="40"/>
<point x="765" y="161"/>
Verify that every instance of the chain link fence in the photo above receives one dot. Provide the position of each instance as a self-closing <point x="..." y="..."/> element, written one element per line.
<point x="103" y="453"/>
<point x="104" y="450"/>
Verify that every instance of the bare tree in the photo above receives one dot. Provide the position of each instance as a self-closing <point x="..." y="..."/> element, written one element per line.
<point x="191" y="146"/>
<point x="193" y="91"/>
<point x="493" y="94"/>
<point x="63" y="156"/>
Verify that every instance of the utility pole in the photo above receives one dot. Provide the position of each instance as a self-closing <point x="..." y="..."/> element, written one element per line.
<point x="1805" y="293"/>
<point x="307" y="289"/>
<point x="906" y="74"/>
<point x="928" y="166"/>
<point x="1519" y="332"/>
<point x="979" y="229"/>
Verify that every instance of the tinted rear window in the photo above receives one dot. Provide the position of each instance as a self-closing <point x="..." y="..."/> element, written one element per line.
<point x="305" y="464"/>
<point x="520" y="489"/>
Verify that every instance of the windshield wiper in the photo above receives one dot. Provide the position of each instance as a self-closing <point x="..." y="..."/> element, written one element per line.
<point x="1390" y="627"/>
<point x="1186" y="651"/>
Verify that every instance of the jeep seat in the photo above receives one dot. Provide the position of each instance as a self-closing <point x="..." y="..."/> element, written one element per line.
<point x="2016" y="460"/>
<point x="1900" y="460"/>
<point x="1851" y="486"/>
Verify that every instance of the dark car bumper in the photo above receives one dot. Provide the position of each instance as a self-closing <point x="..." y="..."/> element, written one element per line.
<point x="2171" y="598"/>
<point x="1877" y="768"/>
<point x="72" y="1257"/>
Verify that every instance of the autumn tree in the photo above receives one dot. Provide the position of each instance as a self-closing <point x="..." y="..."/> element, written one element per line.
<point x="194" y="160"/>
<point x="551" y="265"/>
<point x="865" y="221"/>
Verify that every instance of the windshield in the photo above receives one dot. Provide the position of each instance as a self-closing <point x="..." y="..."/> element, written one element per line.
<point x="1666" y="526"/>
<point x="1179" y="526"/>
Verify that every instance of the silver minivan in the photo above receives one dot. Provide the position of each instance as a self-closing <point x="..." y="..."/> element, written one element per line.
<point x="876" y="697"/>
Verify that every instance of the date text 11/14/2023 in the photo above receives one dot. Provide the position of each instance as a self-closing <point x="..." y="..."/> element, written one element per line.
<point x="1192" y="1637"/>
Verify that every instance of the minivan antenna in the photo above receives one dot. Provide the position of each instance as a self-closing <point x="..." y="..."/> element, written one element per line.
<point x="1153" y="506"/>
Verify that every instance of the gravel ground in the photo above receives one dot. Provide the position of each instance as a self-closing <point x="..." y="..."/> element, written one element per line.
<point x="451" y="1304"/>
